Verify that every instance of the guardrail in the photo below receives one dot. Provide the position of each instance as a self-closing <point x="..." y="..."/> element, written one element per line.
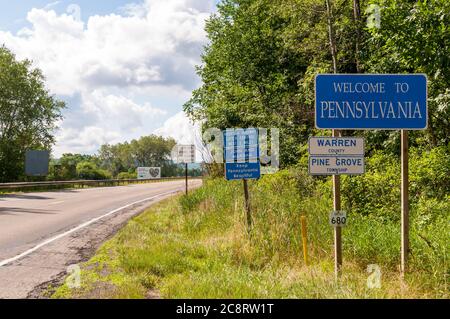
<point x="83" y="183"/>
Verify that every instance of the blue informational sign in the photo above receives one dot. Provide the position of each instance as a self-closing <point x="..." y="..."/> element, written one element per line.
<point x="235" y="171"/>
<point x="241" y="151"/>
<point x="371" y="101"/>
<point x="36" y="162"/>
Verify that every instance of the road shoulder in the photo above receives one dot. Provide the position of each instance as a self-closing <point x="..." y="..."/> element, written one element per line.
<point x="34" y="275"/>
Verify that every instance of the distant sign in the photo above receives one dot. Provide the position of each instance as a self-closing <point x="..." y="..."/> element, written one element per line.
<point x="371" y="101"/>
<point x="338" y="218"/>
<point x="155" y="172"/>
<point x="149" y="172"/>
<point x="36" y="163"/>
<point x="183" y="154"/>
<point x="241" y="151"/>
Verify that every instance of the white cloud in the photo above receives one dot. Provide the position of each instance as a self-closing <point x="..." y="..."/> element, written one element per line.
<point x="85" y="141"/>
<point x="111" y="119"/>
<point x="153" y="48"/>
<point x="51" y="4"/>
<point x="180" y="128"/>
<point x="119" y="112"/>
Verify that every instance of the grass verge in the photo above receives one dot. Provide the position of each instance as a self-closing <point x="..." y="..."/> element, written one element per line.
<point x="197" y="246"/>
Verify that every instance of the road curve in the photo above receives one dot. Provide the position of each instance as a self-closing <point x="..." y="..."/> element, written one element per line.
<point x="43" y="233"/>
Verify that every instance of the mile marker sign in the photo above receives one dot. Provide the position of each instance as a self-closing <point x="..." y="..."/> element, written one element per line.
<point x="371" y="101"/>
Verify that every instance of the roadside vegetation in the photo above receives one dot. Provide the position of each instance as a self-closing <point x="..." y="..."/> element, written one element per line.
<point x="198" y="246"/>
<point x="29" y="115"/>
<point x="120" y="161"/>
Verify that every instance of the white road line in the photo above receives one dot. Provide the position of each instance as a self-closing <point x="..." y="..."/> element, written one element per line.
<point x="54" y="203"/>
<point x="48" y="241"/>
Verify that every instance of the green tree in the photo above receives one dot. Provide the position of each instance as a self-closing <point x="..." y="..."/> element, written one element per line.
<point x="146" y="151"/>
<point x="28" y="114"/>
<point x="414" y="37"/>
<point x="65" y="168"/>
<point x="90" y="171"/>
<point x="263" y="55"/>
<point x="259" y="67"/>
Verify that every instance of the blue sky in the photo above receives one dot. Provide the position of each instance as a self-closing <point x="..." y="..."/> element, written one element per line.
<point x="14" y="17"/>
<point x="124" y="68"/>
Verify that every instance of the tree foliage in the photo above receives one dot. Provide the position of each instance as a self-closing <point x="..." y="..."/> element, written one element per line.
<point x="147" y="151"/>
<point x="90" y="171"/>
<point x="28" y="114"/>
<point x="65" y="168"/>
<point x="259" y="67"/>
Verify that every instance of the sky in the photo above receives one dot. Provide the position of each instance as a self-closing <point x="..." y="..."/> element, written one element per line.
<point x="124" y="68"/>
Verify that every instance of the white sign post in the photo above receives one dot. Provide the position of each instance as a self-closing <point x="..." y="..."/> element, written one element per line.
<point x="184" y="154"/>
<point x="336" y="156"/>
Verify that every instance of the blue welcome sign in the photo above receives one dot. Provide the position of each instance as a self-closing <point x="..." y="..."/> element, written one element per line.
<point x="371" y="101"/>
<point x="241" y="151"/>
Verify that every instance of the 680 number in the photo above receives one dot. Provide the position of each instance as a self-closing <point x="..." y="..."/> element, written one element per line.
<point x="338" y="218"/>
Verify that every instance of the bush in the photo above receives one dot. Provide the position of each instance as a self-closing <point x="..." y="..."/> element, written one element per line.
<point x="430" y="173"/>
<point x="127" y="175"/>
<point x="278" y="201"/>
<point x="90" y="171"/>
<point x="377" y="192"/>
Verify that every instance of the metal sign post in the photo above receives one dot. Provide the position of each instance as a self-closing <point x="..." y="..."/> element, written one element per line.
<point x="241" y="151"/>
<point x="405" y="202"/>
<point x="373" y="101"/>
<point x="184" y="154"/>
<point x="247" y="205"/>
<point x="186" y="171"/>
<point x="336" y="156"/>
<point x="337" y="230"/>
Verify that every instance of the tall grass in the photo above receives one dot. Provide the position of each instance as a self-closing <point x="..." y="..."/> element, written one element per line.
<point x="200" y="246"/>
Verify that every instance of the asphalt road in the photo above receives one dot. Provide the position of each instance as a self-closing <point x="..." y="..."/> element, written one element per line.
<point x="43" y="233"/>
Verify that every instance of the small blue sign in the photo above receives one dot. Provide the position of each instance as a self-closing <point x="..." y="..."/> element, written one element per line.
<point x="371" y="101"/>
<point x="241" y="152"/>
<point x="242" y="171"/>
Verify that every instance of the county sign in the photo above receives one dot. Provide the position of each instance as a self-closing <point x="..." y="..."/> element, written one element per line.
<point x="336" y="156"/>
<point x="371" y="101"/>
